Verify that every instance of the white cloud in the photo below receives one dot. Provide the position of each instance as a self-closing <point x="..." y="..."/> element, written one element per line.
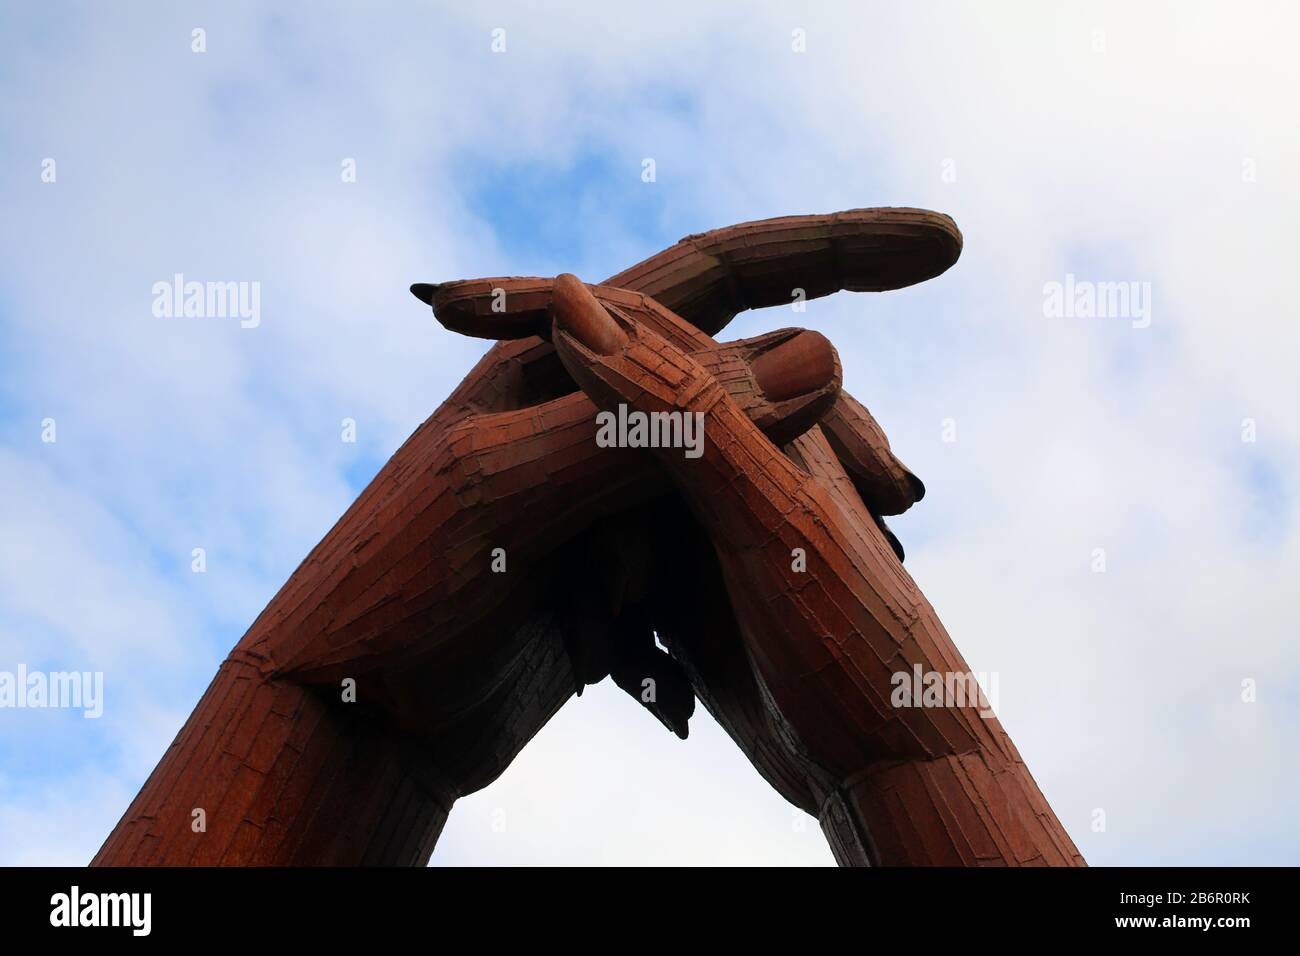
<point x="1121" y="689"/>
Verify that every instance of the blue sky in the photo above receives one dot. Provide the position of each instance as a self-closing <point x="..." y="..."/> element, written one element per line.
<point x="1101" y="141"/>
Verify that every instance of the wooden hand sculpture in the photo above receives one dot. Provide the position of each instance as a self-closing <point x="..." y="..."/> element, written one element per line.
<point x="504" y="557"/>
<point x="821" y="618"/>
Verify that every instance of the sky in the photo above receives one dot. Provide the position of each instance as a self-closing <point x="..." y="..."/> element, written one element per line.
<point x="1111" y="517"/>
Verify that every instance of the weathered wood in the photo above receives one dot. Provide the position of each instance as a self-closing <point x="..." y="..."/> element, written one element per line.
<point x="504" y="557"/>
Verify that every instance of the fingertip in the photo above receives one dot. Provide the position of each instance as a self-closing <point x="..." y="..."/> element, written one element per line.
<point x="424" y="291"/>
<point x="917" y="486"/>
<point x="802" y="364"/>
<point x="578" y="312"/>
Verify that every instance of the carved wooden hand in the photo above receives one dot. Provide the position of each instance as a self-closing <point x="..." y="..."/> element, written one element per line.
<point x="488" y="571"/>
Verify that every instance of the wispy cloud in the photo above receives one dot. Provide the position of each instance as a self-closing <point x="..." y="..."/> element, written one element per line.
<point x="1112" y="142"/>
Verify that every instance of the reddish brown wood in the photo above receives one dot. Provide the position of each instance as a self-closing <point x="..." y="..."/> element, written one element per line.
<point x="456" y="666"/>
<point x="935" y="785"/>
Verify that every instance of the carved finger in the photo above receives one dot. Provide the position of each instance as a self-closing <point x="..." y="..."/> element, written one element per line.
<point x="885" y="483"/>
<point x="710" y="277"/>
